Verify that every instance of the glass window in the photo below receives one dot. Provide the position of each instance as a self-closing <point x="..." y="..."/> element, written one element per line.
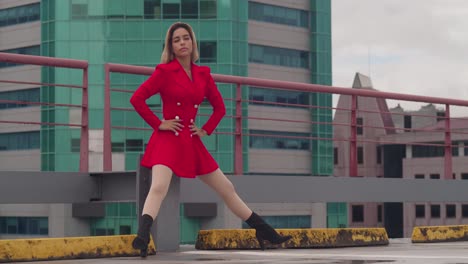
<point x="125" y="209"/>
<point x="118" y="146"/>
<point x="359" y="123"/>
<point x="262" y="139"/>
<point x="152" y="9"/>
<point x="360" y="155"/>
<point x="264" y="96"/>
<point x="440" y="116"/>
<point x="407" y="122"/>
<point x="208" y="52"/>
<point x="27" y="95"/>
<point x="176" y="9"/>
<point x="79" y="11"/>
<point x="120" y="219"/>
<point x="278" y="56"/>
<point x="19" y="141"/>
<point x="31" y="50"/>
<point x="357" y="213"/>
<point x="429" y="151"/>
<point x="19" y="14"/>
<point x="208" y="9"/>
<point x="379" y="154"/>
<point x="189" y="8"/>
<point x="335" y="156"/>
<point x="3" y="226"/>
<point x="435" y="211"/>
<point x="419" y="176"/>
<point x="125" y="230"/>
<point x="134" y="145"/>
<point x="24" y="225"/>
<point x="420" y="211"/>
<point x="75" y="145"/>
<point x="451" y="211"/>
<point x="464" y="176"/>
<point x="22" y="15"/>
<point x="171" y="10"/>
<point x="465" y="210"/>
<point x="434" y="176"/>
<point x="278" y="14"/>
<point x="304" y="19"/>
<point x="454" y="151"/>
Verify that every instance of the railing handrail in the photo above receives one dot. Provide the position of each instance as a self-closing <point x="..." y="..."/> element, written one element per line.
<point x="62" y="63"/>
<point x="285" y="85"/>
<point x="43" y="60"/>
<point x="297" y="86"/>
<point x="308" y="87"/>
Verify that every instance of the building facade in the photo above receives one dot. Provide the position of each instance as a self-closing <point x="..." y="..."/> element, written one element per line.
<point x="390" y="153"/>
<point x="284" y="40"/>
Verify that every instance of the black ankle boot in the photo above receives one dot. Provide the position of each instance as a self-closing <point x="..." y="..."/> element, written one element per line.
<point x="142" y="240"/>
<point x="264" y="231"/>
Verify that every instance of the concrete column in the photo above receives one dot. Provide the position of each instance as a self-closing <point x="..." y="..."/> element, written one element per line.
<point x="63" y="224"/>
<point x="166" y="228"/>
<point x="167" y="224"/>
<point x="319" y="215"/>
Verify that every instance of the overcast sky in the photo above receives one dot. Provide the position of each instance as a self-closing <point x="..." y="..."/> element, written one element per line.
<point x="406" y="46"/>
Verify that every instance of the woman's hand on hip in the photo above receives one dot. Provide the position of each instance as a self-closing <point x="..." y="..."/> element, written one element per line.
<point x="173" y="125"/>
<point x="198" y="131"/>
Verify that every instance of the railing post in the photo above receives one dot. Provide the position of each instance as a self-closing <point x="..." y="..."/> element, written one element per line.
<point x="107" y="145"/>
<point x="353" y="139"/>
<point x="84" y="142"/>
<point x="448" y="144"/>
<point x="238" y="162"/>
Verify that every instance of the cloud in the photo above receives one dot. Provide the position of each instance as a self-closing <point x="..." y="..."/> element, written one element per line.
<point x="414" y="47"/>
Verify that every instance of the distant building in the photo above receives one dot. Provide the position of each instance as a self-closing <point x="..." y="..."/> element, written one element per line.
<point x="387" y="152"/>
<point x="427" y="115"/>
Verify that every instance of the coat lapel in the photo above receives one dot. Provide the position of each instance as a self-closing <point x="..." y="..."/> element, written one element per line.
<point x="181" y="77"/>
<point x="194" y="88"/>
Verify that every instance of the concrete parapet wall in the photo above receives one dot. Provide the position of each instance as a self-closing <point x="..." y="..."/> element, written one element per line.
<point x="431" y="234"/>
<point x="301" y="238"/>
<point x="68" y="248"/>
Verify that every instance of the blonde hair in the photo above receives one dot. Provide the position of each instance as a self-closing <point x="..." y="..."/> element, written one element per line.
<point x="168" y="54"/>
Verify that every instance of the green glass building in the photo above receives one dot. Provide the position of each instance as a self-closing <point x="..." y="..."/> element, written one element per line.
<point x="267" y="39"/>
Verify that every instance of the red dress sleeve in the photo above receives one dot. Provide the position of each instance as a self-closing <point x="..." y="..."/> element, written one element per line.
<point x="216" y="100"/>
<point x="147" y="89"/>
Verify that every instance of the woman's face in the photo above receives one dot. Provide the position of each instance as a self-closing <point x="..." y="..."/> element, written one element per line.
<point x="181" y="43"/>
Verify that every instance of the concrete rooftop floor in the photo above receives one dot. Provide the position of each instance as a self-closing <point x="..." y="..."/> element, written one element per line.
<point x="399" y="251"/>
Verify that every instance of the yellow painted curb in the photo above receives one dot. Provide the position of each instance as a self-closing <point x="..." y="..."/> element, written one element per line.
<point x="301" y="238"/>
<point x="430" y="234"/>
<point x="68" y="248"/>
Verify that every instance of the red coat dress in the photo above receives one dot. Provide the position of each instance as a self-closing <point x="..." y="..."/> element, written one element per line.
<point x="183" y="153"/>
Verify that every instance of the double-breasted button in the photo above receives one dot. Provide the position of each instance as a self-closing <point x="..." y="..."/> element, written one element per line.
<point x="191" y="120"/>
<point x="191" y="135"/>
<point x="177" y="117"/>
<point x="178" y="103"/>
<point x="196" y="106"/>
<point x="176" y="133"/>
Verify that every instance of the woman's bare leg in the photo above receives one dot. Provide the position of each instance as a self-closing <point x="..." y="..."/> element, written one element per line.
<point x="161" y="178"/>
<point x="224" y="187"/>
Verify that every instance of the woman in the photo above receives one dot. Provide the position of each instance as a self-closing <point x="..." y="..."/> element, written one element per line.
<point x="175" y="146"/>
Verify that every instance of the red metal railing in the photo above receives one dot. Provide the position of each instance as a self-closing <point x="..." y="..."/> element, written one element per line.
<point x="303" y="87"/>
<point x="238" y="117"/>
<point x="63" y="63"/>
